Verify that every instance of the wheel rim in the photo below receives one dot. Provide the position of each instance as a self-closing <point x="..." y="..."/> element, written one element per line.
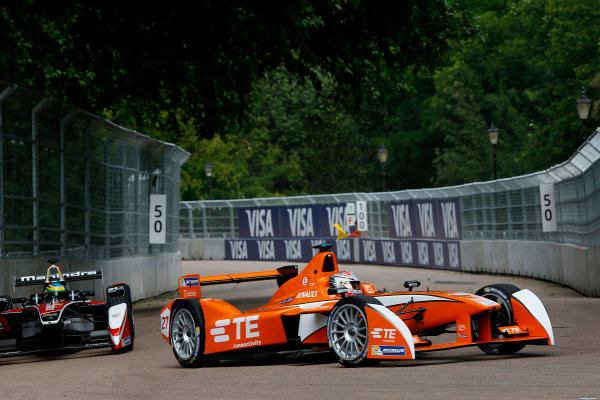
<point x="183" y="334"/>
<point x="501" y="317"/>
<point x="348" y="332"/>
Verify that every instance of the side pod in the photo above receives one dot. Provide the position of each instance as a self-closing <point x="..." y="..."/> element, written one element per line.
<point x="530" y="313"/>
<point x="389" y="337"/>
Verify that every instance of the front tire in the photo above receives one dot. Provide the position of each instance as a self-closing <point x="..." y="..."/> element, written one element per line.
<point x="501" y="294"/>
<point x="348" y="331"/>
<point x="187" y="334"/>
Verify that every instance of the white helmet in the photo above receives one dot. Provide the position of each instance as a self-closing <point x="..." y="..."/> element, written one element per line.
<point x="346" y="279"/>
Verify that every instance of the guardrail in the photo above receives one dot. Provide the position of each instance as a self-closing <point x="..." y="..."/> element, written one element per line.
<point x="505" y="209"/>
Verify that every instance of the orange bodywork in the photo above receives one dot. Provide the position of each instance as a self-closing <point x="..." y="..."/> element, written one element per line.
<point x="296" y="316"/>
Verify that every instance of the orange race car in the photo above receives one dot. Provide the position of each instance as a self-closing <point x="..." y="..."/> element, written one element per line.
<point x="324" y="309"/>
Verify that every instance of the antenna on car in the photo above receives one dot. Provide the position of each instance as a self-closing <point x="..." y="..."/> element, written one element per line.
<point x="323" y="247"/>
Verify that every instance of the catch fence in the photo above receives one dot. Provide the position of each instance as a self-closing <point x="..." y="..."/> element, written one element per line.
<point x="507" y="209"/>
<point x="74" y="185"/>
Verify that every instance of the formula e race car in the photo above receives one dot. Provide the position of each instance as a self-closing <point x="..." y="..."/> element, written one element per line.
<point x="60" y="320"/>
<point x="324" y="309"/>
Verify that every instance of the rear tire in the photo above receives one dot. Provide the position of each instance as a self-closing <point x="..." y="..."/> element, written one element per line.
<point x="187" y="333"/>
<point x="500" y="293"/>
<point x="348" y="331"/>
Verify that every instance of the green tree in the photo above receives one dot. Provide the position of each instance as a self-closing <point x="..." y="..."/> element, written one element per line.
<point x="522" y="73"/>
<point x="309" y="124"/>
<point x="204" y="60"/>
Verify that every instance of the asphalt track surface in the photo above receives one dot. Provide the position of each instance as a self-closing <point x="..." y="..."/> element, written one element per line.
<point x="568" y="370"/>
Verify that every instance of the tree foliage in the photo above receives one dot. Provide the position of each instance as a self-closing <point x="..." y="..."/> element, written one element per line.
<point x="203" y="57"/>
<point x="523" y="73"/>
<point x="295" y="97"/>
<point x="192" y="74"/>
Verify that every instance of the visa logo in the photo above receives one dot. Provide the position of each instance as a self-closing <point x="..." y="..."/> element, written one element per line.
<point x="336" y="215"/>
<point x="389" y="253"/>
<point x="301" y="221"/>
<point x="293" y="250"/>
<point x="449" y="219"/>
<point x="266" y="249"/>
<point x="260" y="223"/>
<point x="239" y="250"/>
<point x="401" y="218"/>
<point x="426" y="219"/>
<point x="343" y="250"/>
<point x="406" y="252"/>
<point x="369" y="252"/>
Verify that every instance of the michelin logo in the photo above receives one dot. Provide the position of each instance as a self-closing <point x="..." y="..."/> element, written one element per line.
<point x="388" y="350"/>
<point x="188" y="282"/>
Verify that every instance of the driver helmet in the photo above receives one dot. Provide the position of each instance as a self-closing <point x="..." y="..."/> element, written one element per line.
<point x="346" y="279"/>
<point x="55" y="288"/>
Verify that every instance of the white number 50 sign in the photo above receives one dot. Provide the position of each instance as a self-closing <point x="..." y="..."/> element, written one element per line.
<point x="158" y="218"/>
<point x="548" y="205"/>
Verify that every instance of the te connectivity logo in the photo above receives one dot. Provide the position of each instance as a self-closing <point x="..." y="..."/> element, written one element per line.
<point x="241" y="328"/>
<point x="383" y="333"/>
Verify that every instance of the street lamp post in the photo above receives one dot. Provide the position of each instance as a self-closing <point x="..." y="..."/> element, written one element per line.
<point x="208" y="170"/>
<point x="493" y="134"/>
<point x="382" y="154"/>
<point x="583" y="109"/>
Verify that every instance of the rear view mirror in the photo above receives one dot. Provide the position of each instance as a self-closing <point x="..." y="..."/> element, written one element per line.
<point x="116" y="290"/>
<point x="87" y="293"/>
<point x="19" y="300"/>
<point x="411" y="284"/>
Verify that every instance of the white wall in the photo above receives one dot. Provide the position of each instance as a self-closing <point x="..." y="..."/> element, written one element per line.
<point x="576" y="267"/>
<point x="569" y="265"/>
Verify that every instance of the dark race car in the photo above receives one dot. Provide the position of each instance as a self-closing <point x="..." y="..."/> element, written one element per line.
<point x="60" y="320"/>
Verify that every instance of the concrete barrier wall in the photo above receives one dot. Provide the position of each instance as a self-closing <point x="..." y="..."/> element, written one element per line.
<point x="572" y="266"/>
<point x="202" y="249"/>
<point x="146" y="276"/>
<point x="569" y="265"/>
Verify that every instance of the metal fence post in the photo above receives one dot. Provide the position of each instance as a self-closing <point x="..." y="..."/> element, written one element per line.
<point x="62" y="182"/>
<point x="204" y="223"/>
<point x="231" y="221"/>
<point x="35" y="174"/>
<point x="87" y="189"/>
<point x="1" y="179"/>
<point x="190" y="221"/>
<point x="107" y="167"/>
<point x="5" y="94"/>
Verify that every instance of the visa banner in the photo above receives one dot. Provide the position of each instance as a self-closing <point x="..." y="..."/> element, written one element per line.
<point x="425" y="219"/>
<point x="411" y="253"/>
<point x="310" y="221"/>
<point x="284" y="249"/>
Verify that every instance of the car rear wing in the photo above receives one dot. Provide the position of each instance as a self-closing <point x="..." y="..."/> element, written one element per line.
<point x="189" y="285"/>
<point x="67" y="277"/>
